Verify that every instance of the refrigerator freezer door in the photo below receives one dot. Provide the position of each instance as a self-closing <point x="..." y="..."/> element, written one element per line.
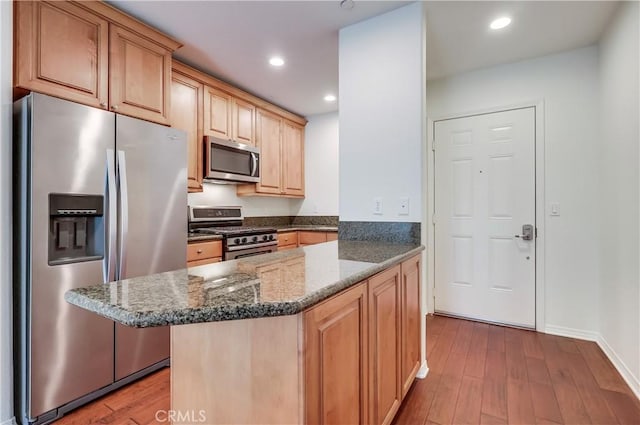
<point x="70" y="350"/>
<point x="154" y="215"/>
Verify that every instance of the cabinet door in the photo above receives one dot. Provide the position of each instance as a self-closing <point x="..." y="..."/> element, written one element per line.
<point x="268" y="140"/>
<point x="186" y="114"/>
<point x="311" y="238"/>
<point x="335" y="333"/>
<point x="244" y="122"/>
<point x="139" y="76"/>
<point x="293" y="159"/>
<point x="217" y="113"/>
<point x="411" y="320"/>
<point x="62" y="50"/>
<point x="384" y="346"/>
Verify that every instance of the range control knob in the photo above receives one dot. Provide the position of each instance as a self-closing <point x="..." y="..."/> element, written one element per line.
<point x="271" y="237"/>
<point x="265" y="237"/>
<point x="244" y="240"/>
<point x="236" y="241"/>
<point x="255" y="239"/>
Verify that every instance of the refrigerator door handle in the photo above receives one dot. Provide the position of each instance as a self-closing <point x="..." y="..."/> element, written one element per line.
<point x="109" y="263"/>
<point x="124" y="212"/>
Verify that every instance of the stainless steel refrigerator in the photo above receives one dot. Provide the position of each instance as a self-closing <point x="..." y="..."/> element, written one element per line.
<point x="98" y="197"/>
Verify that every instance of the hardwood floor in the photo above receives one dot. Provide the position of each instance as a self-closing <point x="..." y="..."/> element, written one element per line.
<point x="485" y="374"/>
<point x="478" y="374"/>
<point x="135" y="404"/>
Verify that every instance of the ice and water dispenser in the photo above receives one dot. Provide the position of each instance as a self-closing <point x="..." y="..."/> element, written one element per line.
<point x="76" y="228"/>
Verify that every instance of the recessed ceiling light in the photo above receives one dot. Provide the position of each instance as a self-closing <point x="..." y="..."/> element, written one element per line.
<point x="276" y="61"/>
<point x="500" y="23"/>
<point x="330" y="98"/>
<point x="346" y="4"/>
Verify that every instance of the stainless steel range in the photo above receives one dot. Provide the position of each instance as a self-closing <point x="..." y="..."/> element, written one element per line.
<point x="237" y="240"/>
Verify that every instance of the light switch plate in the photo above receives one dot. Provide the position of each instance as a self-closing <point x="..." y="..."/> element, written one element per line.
<point x="377" y="206"/>
<point x="404" y="206"/>
<point x="555" y="209"/>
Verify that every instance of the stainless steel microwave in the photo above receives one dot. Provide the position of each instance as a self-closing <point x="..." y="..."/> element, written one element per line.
<point x="231" y="162"/>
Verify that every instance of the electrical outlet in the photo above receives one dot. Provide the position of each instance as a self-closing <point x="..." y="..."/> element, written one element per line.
<point x="377" y="206"/>
<point x="404" y="206"/>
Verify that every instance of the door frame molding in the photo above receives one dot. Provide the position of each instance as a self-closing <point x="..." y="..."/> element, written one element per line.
<point x="540" y="217"/>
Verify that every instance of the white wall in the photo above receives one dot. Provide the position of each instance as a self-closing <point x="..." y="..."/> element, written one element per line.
<point x="568" y="84"/>
<point x="321" y="166"/>
<point x="619" y="195"/>
<point x="381" y="115"/>
<point x="6" y="380"/>
<point x="252" y="206"/>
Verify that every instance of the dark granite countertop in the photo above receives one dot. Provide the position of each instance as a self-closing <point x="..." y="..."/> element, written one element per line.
<point x="201" y="237"/>
<point x="305" y="227"/>
<point x="241" y="289"/>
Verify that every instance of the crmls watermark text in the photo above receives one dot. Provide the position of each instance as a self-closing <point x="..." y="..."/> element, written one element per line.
<point x="181" y="416"/>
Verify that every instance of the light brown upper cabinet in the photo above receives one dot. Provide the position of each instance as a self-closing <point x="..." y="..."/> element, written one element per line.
<point x="91" y="53"/>
<point x="228" y="118"/>
<point x="292" y="158"/>
<point x="139" y="76"/>
<point x="186" y="114"/>
<point x="281" y="144"/>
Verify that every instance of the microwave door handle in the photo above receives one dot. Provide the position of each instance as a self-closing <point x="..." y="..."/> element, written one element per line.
<point x="254" y="164"/>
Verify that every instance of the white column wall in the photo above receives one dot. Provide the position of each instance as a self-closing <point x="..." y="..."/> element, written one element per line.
<point x="619" y="245"/>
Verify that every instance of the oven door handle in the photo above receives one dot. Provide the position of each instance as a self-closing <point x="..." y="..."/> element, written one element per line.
<point x="258" y="245"/>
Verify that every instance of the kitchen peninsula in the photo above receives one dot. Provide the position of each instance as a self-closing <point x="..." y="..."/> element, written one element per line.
<point x="328" y="333"/>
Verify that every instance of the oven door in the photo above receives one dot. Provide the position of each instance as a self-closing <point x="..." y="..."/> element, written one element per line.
<point x="231" y="162"/>
<point x="249" y="252"/>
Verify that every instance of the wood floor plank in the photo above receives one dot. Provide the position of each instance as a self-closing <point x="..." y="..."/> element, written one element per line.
<point x="603" y="371"/>
<point x="417" y="404"/>
<point x="537" y="371"/>
<point x="463" y="338"/>
<point x="590" y="392"/>
<point x="441" y="351"/>
<point x="625" y="409"/>
<point x="570" y="403"/>
<point x="444" y="402"/>
<point x="567" y="345"/>
<point x="491" y="420"/>
<point x="531" y="346"/>
<point x="516" y="363"/>
<point x="494" y="397"/>
<point x="545" y="405"/>
<point x="89" y="414"/>
<point x="495" y="365"/>
<point x="496" y="338"/>
<point x="476" y="357"/>
<point x="519" y="404"/>
<point x="469" y="401"/>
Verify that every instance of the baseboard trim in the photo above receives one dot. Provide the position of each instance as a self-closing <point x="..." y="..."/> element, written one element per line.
<point x="572" y="333"/>
<point x="11" y="421"/>
<point x="632" y="381"/>
<point x="423" y="371"/>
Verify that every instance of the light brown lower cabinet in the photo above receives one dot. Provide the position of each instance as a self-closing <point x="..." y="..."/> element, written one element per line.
<point x="336" y="345"/>
<point x="347" y="360"/>
<point x="384" y="345"/>
<point x="200" y="253"/>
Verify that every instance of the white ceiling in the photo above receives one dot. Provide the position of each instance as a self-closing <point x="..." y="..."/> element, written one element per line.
<point x="234" y="39"/>
<point x="459" y="38"/>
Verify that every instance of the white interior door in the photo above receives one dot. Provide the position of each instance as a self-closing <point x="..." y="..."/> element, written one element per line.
<point x="484" y="194"/>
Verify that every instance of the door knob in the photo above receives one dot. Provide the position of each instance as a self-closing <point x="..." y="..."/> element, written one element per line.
<point x="527" y="232"/>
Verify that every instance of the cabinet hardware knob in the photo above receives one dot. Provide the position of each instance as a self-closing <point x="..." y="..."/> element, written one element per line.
<point x="103" y="104"/>
<point x="114" y="107"/>
<point x="199" y="251"/>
